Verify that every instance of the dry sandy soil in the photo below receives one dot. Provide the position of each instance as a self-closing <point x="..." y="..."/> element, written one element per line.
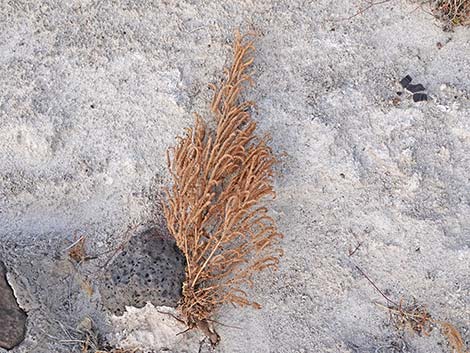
<point x="93" y="92"/>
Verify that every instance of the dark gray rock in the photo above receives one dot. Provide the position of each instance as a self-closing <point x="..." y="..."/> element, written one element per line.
<point x="405" y="81"/>
<point x="420" y="97"/>
<point x="149" y="269"/>
<point x="12" y="318"/>
<point x="415" y="88"/>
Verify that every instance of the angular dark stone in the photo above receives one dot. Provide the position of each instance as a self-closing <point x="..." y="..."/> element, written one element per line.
<point x="420" y="97"/>
<point x="149" y="269"/>
<point x="415" y="88"/>
<point x="12" y="318"/>
<point x="405" y="81"/>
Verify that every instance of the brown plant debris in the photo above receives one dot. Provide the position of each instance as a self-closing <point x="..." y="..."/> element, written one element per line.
<point x="455" y="12"/>
<point x="451" y="12"/>
<point x="414" y="317"/>
<point x="220" y="176"/>
<point x="417" y="319"/>
<point x="87" y="286"/>
<point x="453" y="336"/>
<point x="77" y="250"/>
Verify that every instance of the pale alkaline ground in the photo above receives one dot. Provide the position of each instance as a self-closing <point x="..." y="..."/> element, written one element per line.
<point x="93" y="92"/>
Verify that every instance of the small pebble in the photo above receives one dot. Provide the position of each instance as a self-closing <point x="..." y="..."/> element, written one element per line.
<point x="420" y="97"/>
<point x="405" y="81"/>
<point x="415" y="88"/>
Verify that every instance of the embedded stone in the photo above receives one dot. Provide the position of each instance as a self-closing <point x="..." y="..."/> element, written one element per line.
<point x="12" y="317"/>
<point x="149" y="269"/>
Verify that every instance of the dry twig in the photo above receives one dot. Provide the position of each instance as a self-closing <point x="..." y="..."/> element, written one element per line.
<point x="369" y="5"/>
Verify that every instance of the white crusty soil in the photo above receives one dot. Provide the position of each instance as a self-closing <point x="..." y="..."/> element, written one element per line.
<point x="93" y="92"/>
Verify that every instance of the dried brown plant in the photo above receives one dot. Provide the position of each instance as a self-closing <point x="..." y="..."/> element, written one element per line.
<point x="214" y="210"/>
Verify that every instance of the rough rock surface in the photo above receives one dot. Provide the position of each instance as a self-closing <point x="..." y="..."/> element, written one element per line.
<point x="12" y="318"/>
<point x="152" y="326"/>
<point x="93" y="92"/>
<point x="150" y="269"/>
